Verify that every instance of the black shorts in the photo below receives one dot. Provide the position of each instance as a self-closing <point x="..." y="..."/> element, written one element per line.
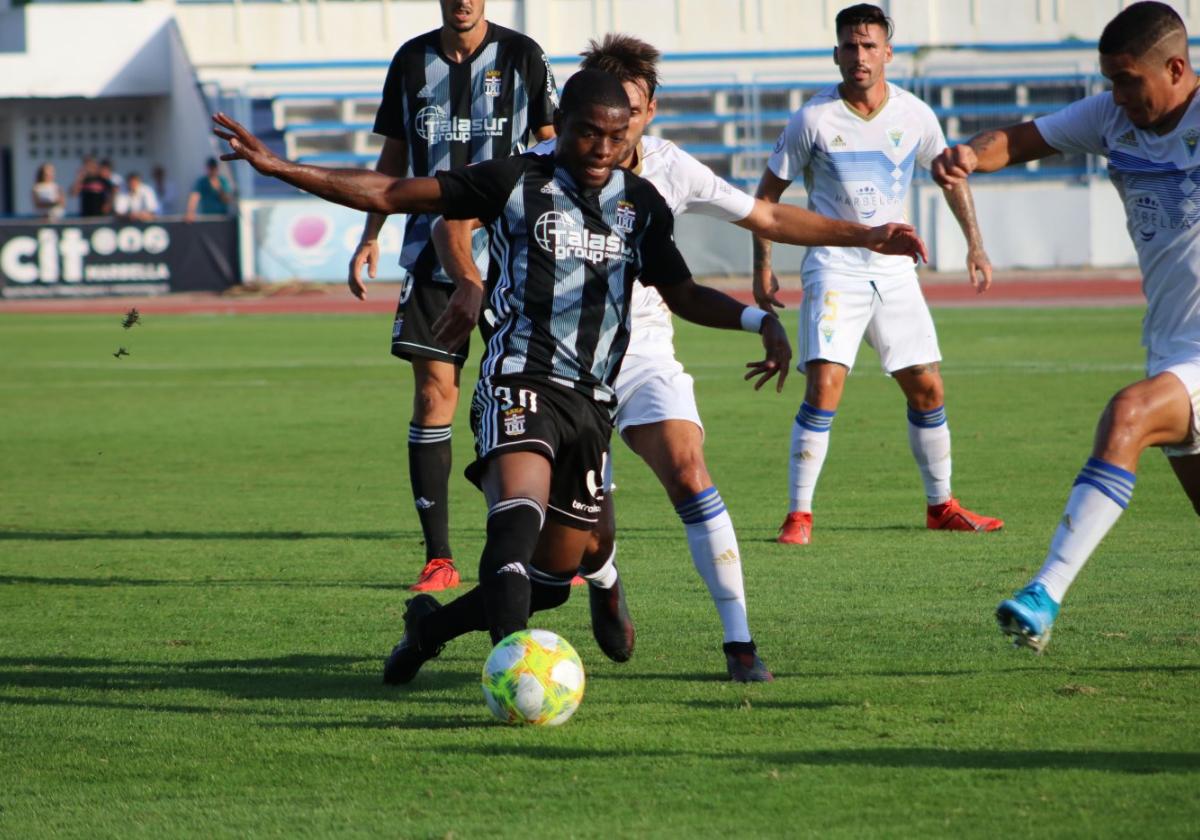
<point x="422" y="301"/>
<point x="527" y="414"/>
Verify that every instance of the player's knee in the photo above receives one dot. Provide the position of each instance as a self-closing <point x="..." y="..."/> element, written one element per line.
<point x="1124" y="420"/>
<point x="434" y="399"/>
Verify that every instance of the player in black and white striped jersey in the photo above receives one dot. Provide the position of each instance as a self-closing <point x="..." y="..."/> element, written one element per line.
<point x="569" y="235"/>
<point x="467" y="92"/>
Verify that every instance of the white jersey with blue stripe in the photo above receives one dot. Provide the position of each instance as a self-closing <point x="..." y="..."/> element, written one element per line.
<point x="1158" y="179"/>
<point x="858" y="168"/>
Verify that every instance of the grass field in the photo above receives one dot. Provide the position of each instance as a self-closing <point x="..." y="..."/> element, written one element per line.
<point x="203" y="548"/>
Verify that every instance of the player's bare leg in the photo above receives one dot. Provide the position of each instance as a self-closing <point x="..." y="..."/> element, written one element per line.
<point x="1152" y="412"/>
<point x="929" y="440"/>
<point x="1187" y="470"/>
<point x="435" y="397"/>
<point x="824" y="383"/>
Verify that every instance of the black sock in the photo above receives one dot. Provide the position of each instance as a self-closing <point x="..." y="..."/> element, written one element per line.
<point x="463" y="615"/>
<point x="548" y="590"/>
<point x="513" y="527"/>
<point x="429" y="474"/>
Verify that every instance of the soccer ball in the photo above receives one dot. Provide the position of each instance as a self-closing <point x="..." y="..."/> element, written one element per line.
<point x="533" y="676"/>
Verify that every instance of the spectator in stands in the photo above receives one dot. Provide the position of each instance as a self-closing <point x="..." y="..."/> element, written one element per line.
<point x="165" y="190"/>
<point x="138" y="203"/>
<point x="211" y="194"/>
<point x="48" y="198"/>
<point x="94" y="190"/>
<point x="108" y="171"/>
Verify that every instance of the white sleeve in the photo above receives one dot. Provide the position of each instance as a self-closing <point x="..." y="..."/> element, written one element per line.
<point x="933" y="139"/>
<point x="793" y="149"/>
<point x="1079" y="127"/>
<point x="707" y="193"/>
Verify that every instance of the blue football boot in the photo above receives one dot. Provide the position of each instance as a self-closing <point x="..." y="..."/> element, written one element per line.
<point x="1028" y="617"/>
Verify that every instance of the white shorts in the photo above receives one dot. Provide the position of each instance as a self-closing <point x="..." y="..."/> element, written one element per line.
<point x="1187" y="368"/>
<point x="838" y="311"/>
<point x="651" y="389"/>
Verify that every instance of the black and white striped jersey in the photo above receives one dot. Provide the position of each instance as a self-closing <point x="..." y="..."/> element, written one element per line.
<point x="454" y="114"/>
<point x="563" y="265"/>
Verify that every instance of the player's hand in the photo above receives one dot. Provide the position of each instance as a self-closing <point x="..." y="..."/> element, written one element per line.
<point x="245" y="145"/>
<point x="897" y="239"/>
<point x="953" y="165"/>
<point x="453" y="327"/>
<point x="765" y="286"/>
<point x="366" y="253"/>
<point x="979" y="269"/>
<point x="778" y="359"/>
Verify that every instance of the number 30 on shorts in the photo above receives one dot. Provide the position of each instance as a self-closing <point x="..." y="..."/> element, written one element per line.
<point x="525" y="398"/>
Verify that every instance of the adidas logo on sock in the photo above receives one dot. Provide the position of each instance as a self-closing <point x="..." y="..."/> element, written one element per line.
<point x="512" y="569"/>
<point x="726" y="558"/>
<point x="424" y="504"/>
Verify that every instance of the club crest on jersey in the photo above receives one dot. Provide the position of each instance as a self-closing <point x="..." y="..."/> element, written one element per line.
<point x="626" y="216"/>
<point x="514" y="421"/>
<point x="895" y="135"/>
<point x="434" y="126"/>
<point x="491" y="83"/>
<point x="560" y="235"/>
<point x="1190" y="138"/>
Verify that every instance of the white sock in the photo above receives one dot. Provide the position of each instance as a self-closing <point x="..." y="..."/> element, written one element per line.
<point x="715" y="554"/>
<point x="810" y="444"/>
<point x="1099" y="497"/>
<point x="606" y="575"/>
<point x="929" y="439"/>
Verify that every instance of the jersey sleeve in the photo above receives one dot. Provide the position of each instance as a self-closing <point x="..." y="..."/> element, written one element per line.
<point x="481" y="190"/>
<point x="543" y="93"/>
<point x="709" y="194"/>
<point x="933" y="139"/>
<point x="389" y="119"/>
<point x="793" y="149"/>
<point x="1079" y="127"/>
<point x="662" y="264"/>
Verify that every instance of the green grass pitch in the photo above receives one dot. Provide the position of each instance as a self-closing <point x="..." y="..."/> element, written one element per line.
<point x="203" y="548"/>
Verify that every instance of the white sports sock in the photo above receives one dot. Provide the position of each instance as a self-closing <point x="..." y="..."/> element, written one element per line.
<point x="606" y="575"/>
<point x="810" y="444"/>
<point x="714" y="549"/>
<point x="929" y="440"/>
<point x="1099" y="497"/>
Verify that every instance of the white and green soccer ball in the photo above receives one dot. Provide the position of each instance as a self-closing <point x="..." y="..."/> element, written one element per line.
<point x="535" y="677"/>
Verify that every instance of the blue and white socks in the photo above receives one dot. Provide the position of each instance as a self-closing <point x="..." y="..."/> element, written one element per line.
<point x="714" y="549"/>
<point x="929" y="440"/>
<point x="1099" y="497"/>
<point x="810" y="445"/>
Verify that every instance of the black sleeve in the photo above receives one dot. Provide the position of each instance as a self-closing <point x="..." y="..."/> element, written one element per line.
<point x="389" y="119"/>
<point x="481" y="190"/>
<point x="539" y="80"/>
<point x="662" y="264"/>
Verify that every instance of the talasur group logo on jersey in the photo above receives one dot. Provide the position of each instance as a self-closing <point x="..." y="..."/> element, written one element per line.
<point x="433" y="126"/>
<point x="561" y="236"/>
<point x="626" y="217"/>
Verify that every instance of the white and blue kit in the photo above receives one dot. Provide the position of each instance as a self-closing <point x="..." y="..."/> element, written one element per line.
<point x="1158" y="180"/>
<point x="860" y="169"/>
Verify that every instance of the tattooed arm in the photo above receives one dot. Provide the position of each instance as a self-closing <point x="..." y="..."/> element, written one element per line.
<point x="990" y="151"/>
<point x="962" y="205"/>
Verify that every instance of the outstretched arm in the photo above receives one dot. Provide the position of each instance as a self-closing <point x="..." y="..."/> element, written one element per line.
<point x="962" y="205"/>
<point x="712" y="308"/>
<point x="360" y="189"/>
<point x="793" y="225"/>
<point x="989" y="151"/>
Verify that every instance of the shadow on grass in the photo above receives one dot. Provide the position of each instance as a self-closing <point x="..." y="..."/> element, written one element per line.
<point x="293" y="583"/>
<point x="71" y="536"/>
<point x="296" y="677"/>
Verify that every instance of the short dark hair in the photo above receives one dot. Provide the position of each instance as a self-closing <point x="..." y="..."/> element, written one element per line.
<point x="862" y="14"/>
<point x="1138" y="28"/>
<point x="592" y="87"/>
<point x="628" y="58"/>
<point x="211" y="163"/>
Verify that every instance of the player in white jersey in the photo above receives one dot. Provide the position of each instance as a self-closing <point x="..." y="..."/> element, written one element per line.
<point x="1149" y="128"/>
<point x="657" y="415"/>
<point x="857" y="144"/>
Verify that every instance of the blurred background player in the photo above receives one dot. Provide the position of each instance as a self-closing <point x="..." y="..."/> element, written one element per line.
<point x="1147" y="127"/>
<point x="467" y="92"/>
<point x="656" y="405"/>
<point x="857" y="144"/>
<point x="544" y="404"/>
